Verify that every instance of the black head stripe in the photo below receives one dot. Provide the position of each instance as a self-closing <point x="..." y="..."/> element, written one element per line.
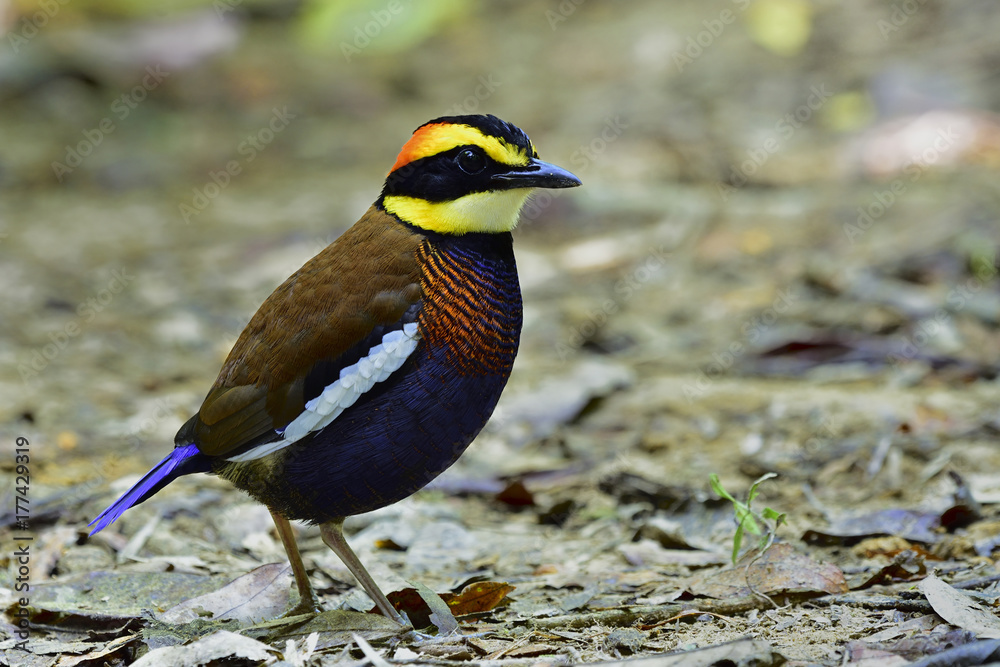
<point x="491" y="126"/>
<point x="438" y="178"/>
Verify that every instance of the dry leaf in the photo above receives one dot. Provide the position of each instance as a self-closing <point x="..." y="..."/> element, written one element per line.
<point x="779" y="571"/>
<point x="440" y="614"/>
<point x="259" y="594"/>
<point x="337" y="627"/>
<point x="959" y="609"/>
<point x="478" y="597"/>
<point x="906" y="566"/>
<point x="473" y="599"/>
<point x="913" y="525"/>
<point x="222" y="645"/>
<point x="112" y="647"/>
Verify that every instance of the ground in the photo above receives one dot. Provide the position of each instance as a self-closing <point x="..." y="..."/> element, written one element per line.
<point x="783" y="260"/>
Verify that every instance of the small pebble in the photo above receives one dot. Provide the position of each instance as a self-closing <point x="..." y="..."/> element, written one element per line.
<point x="624" y="641"/>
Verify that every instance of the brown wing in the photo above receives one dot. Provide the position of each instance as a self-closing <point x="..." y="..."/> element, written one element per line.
<point x="367" y="278"/>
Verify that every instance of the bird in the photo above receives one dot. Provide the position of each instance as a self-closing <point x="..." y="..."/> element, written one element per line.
<point x="371" y="369"/>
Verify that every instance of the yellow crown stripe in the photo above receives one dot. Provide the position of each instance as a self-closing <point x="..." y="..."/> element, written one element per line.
<point x="440" y="137"/>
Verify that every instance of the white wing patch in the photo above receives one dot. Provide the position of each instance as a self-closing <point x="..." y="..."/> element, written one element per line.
<point x="380" y="362"/>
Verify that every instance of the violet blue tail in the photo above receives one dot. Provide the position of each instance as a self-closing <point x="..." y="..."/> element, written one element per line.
<point x="183" y="460"/>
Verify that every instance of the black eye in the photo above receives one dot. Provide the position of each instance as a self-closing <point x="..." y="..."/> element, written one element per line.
<point x="471" y="161"/>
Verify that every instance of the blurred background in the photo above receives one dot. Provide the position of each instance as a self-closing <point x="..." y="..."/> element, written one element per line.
<point x="784" y="255"/>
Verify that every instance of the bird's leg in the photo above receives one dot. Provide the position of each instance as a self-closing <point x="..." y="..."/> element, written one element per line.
<point x="307" y="598"/>
<point x="333" y="536"/>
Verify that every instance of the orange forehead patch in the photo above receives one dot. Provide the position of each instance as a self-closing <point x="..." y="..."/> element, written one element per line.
<point x="440" y="137"/>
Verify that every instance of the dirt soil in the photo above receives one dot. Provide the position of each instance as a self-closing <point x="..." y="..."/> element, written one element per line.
<point x="783" y="260"/>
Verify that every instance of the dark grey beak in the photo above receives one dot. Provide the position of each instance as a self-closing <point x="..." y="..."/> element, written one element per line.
<point x="537" y="174"/>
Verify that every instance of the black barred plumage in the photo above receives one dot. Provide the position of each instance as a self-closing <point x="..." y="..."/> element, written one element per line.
<point x="473" y="303"/>
<point x="370" y="370"/>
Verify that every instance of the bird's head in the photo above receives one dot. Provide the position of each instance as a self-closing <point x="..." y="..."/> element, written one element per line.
<point x="463" y="174"/>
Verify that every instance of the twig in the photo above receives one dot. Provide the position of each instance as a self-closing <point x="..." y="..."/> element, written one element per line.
<point x="876" y="602"/>
<point x="649" y="614"/>
<point x="746" y="572"/>
<point x="977" y="583"/>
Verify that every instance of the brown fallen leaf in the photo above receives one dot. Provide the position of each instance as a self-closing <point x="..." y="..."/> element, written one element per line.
<point x="906" y="566"/>
<point x="478" y="597"/>
<point x="473" y="599"/>
<point x="109" y="649"/>
<point x="409" y="602"/>
<point x="780" y="570"/>
<point x="530" y="651"/>
<point x="515" y="494"/>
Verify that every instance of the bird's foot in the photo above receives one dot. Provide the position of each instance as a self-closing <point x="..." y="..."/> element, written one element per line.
<point x="308" y="605"/>
<point x="418" y="637"/>
<point x="409" y="632"/>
